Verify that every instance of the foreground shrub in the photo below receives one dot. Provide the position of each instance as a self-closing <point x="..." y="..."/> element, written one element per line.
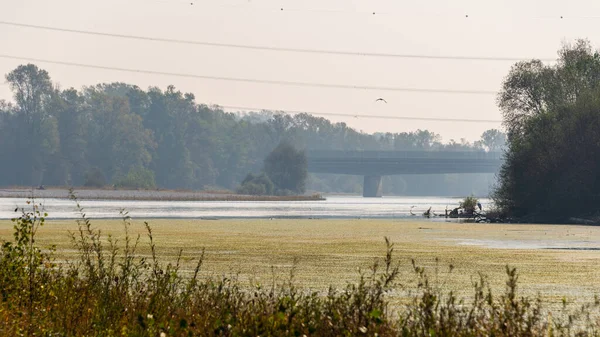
<point x="109" y="291"/>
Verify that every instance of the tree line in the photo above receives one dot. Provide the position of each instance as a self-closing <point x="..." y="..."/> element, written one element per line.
<point x="119" y="134"/>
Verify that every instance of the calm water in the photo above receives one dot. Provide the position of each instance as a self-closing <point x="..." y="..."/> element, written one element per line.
<point x="333" y="207"/>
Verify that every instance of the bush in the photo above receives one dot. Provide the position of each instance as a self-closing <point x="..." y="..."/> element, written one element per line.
<point x="137" y="178"/>
<point x="252" y="189"/>
<point x="95" y="178"/>
<point x="469" y="204"/>
<point x="284" y="193"/>
<point x="257" y="185"/>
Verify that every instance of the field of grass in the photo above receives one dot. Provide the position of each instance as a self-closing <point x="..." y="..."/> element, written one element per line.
<point x="328" y="252"/>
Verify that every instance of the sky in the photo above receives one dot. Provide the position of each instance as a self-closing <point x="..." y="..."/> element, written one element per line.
<point x="522" y="29"/>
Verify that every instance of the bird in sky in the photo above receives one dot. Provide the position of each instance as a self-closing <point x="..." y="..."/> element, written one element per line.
<point x="381" y="100"/>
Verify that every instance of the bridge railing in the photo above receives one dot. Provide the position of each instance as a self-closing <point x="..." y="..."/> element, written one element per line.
<point x="472" y="155"/>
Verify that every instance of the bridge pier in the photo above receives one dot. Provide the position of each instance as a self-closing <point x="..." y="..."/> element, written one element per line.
<point x="372" y="187"/>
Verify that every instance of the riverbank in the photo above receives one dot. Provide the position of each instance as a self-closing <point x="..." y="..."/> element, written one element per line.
<point x="148" y="195"/>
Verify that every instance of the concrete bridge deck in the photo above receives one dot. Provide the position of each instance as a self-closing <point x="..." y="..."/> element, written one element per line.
<point x="375" y="164"/>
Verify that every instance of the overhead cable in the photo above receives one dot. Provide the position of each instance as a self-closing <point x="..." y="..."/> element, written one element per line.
<point x="254" y="80"/>
<point x="359" y="116"/>
<point x="276" y="49"/>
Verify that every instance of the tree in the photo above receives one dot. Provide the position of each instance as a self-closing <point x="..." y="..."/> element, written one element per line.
<point x="287" y="168"/>
<point x="69" y="166"/>
<point x="37" y="140"/>
<point x="417" y="140"/>
<point x="32" y="89"/>
<point x="493" y="140"/>
<point x="532" y="89"/>
<point x="118" y="140"/>
<point x="552" y="160"/>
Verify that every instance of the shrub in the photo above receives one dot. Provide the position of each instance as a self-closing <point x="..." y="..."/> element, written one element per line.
<point x="137" y="178"/>
<point x="257" y="185"/>
<point x="252" y="189"/>
<point x="469" y="204"/>
<point x="95" y="178"/>
<point x="284" y="193"/>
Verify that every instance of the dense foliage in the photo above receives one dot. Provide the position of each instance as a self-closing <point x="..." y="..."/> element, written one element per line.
<point x="117" y="134"/>
<point x="257" y="185"/>
<point x="287" y="168"/>
<point x="469" y="204"/>
<point x="111" y="289"/>
<point x="552" y="114"/>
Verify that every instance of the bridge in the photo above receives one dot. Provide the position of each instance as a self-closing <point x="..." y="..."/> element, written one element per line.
<point x="375" y="164"/>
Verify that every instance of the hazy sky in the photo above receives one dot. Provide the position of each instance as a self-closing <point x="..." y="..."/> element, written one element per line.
<point x="508" y="28"/>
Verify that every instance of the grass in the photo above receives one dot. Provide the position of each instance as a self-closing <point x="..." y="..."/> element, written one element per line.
<point x="96" y="284"/>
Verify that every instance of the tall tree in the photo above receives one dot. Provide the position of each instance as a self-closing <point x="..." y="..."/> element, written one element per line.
<point x="551" y="166"/>
<point x="32" y="89"/>
<point x="287" y="168"/>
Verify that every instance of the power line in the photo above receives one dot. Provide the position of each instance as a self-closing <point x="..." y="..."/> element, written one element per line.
<point x="252" y="80"/>
<point x="269" y="48"/>
<point x="362" y="115"/>
<point x="464" y="16"/>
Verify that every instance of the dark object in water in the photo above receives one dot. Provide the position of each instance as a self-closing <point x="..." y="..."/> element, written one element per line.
<point x="427" y="213"/>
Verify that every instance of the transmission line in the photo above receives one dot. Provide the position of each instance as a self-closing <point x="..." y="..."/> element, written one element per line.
<point x="466" y="15"/>
<point x="270" y="48"/>
<point x="332" y="114"/>
<point x="253" y="80"/>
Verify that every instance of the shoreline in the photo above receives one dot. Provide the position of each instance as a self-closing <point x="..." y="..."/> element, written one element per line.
<point x="147" y="195"/>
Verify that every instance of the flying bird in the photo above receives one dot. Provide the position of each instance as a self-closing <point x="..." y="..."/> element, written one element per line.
<point x="381" y="99"/>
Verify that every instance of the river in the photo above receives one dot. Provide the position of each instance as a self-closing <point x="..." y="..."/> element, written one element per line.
<point x="335" y="207"/>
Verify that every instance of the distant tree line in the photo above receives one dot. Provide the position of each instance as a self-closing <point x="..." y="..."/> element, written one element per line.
<point x="118" y="134"/>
